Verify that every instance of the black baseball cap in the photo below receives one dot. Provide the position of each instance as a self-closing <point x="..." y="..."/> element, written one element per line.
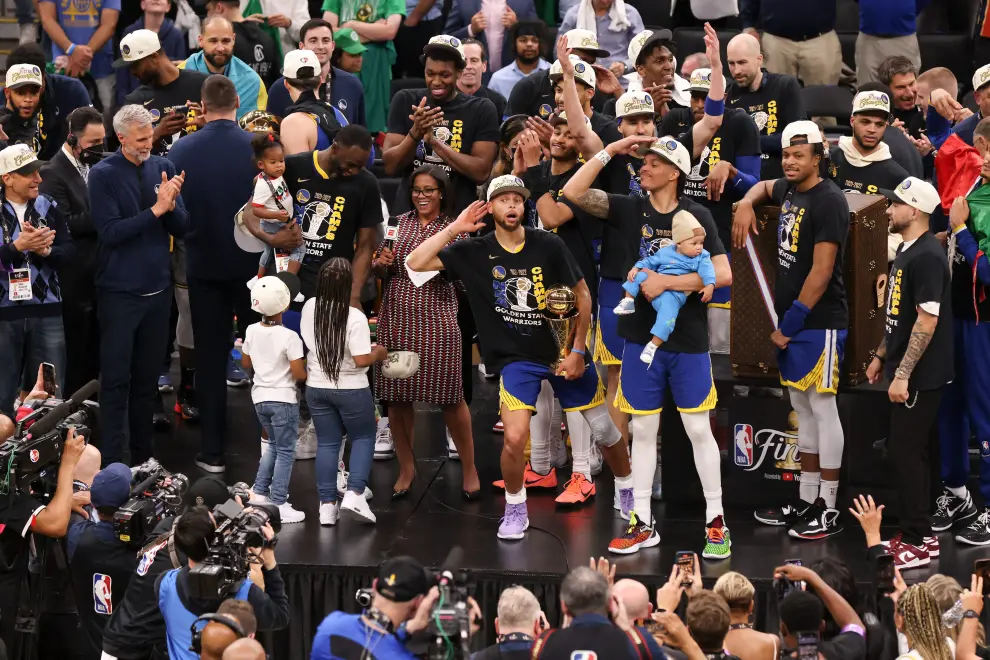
<point x="402" y="579"/>
<point x="208" y="491"/>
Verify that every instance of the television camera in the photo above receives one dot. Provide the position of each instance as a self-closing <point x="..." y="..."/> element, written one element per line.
<point x="156" y="494"/>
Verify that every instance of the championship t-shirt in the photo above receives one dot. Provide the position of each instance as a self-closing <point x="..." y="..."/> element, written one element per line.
<point x="582" y="234"/>
<point x="869" y="180"/>
<point x="620" y="177"/>
<point x="919" y="277"/>
<point x="507" y="292"/>
<point x="162" y="101"/>
<point x="256" y="48"/>
<point x="330" y="212"/>
<point x="652" y="230"/>
<point x="737" y="136"/>
<point x="466" y="120"/>
<point x="819" y="215"/>
<point x="773" y="106"/>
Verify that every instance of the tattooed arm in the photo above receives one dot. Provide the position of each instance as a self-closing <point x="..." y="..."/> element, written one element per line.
<point x="921" y="336"/>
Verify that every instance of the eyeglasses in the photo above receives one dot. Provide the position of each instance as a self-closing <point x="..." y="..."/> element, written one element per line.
<point x="424" y="192"/>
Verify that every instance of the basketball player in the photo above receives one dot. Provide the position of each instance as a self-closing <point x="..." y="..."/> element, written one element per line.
<point x="496" y="269"/>
<point x="810" y="303"/>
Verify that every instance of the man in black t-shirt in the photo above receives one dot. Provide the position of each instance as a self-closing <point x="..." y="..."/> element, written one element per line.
<point x="810" y="303"/>
<point x="682" y="362"/>
<point x="509" y="274"/>
<point x="863" y="162"/>
<point x="916" y="357"/>
<point x="441" y="126"/>
<point x="773" y="100"/>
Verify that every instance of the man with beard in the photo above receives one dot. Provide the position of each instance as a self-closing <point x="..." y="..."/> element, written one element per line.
<point x="137" y="210"/>
<point x="253" y="45"/>
<point x="475" y="66"/>
<point x="507" y="298"/>
<point x="916" y="357"/>
<point x="901" y="77"/>
<point x="682" y="362"/>
<point x="446" y="128"/>
<point x="216" y="38"/>
<point x="169" y="93"/>
<point x="526" y="38"/>
<point x="36" y="114"/>
<point x="773" y="100"/>
<point x="339" y="88"/>
<point x="863" y="162"/>
<point x="810" y="301"/>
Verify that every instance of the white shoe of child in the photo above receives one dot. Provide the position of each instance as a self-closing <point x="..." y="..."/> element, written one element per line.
<point x="625" y="306"/>
<point x="648" y="352"/>
<point x="299" y="298"/>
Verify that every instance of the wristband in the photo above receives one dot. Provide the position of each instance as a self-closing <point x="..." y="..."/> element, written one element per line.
<point x="793" y="320"/>
<point x="970" y="614"/>
<point x="603" y="157"/>
<point x="71" y="48"/>
<point x="714" y="108"/>
<point x="578" y="351"/>
<point x="853" y="628"/>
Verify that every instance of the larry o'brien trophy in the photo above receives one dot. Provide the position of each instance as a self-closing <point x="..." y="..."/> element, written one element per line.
<point x="560" y="314"/>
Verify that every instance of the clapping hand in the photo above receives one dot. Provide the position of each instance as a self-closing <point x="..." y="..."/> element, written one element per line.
<point x="424" y="118"/>
<point x="34" y="239"/>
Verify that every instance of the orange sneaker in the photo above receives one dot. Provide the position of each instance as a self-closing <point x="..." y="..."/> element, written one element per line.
<point x="577" y="491"/>
<point x="637" y="535"/>
<point x="533" y="479"/>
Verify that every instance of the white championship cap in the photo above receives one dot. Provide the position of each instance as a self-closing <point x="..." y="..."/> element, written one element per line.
<point x="582" y="71"/>
<point x="23" y="74"/>
<point x="701" y="80"/>
<point x="805" y="127"/>
<point x="443" y="44"/>
<point x="981" y="77"/>
<point x="916" y="193"/>
<point x="297" y="61"/>
<point x="272" y="294"/>
<point x="585" y="40"/>
<point x="400" y="364"/>
<point x="673" y="152"/>
<point x="137" y="46"/>
<point x="505" y="184"/>
<point x="634" y="103"/>
<point x="19" y="159"/>
<point x="871" y="102"/>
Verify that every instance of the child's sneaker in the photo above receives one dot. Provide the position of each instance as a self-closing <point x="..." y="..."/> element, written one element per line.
<point x="625" y="306"/>
<point x="299" y="298"/>
<point x="251" y="282"/>
<point x="648" y="352"/>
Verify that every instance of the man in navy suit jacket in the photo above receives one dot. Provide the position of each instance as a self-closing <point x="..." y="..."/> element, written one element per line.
<point x="467" y="20"/>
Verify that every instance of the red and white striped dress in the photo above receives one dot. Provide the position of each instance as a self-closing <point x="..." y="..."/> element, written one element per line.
<point x="421" y="319"/>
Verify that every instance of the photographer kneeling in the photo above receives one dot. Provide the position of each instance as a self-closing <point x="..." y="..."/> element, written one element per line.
<point x="101" y="565"/>
<point x="802" y="617"/>
<point x="193" y="534"/>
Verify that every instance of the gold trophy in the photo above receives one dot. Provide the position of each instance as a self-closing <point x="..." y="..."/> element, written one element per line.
<point x="560" y="314"/>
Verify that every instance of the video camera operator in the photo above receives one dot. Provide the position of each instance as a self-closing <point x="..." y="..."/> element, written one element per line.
<point x="21" y="513"/>
<point x="180" y="609"/>
<point x="136" y="630"/>
<point x="802" y="617"/>
<point x="396" y="619"/>
<point x="100" y="564"/>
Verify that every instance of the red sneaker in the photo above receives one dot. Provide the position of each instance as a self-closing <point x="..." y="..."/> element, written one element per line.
<point x="533" y="479"/>
<point x="577" y="490"/>
<point x="637" y="535"/>
<point x="909" y="556"/>
<point x="931" y="545"/>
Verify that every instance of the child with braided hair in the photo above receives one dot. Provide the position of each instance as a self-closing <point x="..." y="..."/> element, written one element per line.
<point x="919" y="618"/>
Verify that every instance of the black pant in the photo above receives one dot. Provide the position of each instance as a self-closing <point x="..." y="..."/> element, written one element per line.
<point x="914" y="448"/>
<point x="82" y="336"/>
<point x="409" y="42"/>
<point x="213" y="304"/>
<point x="133" y="332"/>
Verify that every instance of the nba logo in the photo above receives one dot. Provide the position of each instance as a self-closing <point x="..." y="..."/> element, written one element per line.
<point x="985" y="449"/>
<point x="584" y="655"/>
<point x="743" y="436"/>
<point x="102" y="594"/>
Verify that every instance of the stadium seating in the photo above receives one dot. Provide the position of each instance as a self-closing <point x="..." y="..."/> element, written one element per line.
<point x="948" y="50"/>
<point x="406" y="83"/>
<point x="829" y="101"/>
<point x="655" y="13"/>
<point x="692" y="40"/>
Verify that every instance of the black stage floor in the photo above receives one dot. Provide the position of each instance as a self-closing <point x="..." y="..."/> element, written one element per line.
<point x="324" y="565"/>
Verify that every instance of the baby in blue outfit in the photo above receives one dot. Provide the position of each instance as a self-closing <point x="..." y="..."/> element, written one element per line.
<point x="687" y="255"/>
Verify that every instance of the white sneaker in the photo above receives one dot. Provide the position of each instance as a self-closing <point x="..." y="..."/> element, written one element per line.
<point x="306" y="444"/>
<point x="452" y="453"/>
<point x="28" y="34"/>
<point x="290" y="515"/>
<point x="257" y="497"/>
<point x="299" y="298"/>
<point x="342" y="475"/>
<point x="596" y="460"/>
<point x="625" y="306"/>
<point x="384" y="447"/>
<point x="329" y="512"/>
<point x="357" y="508"/>
<point x="251" y="282"/>
<point x="484" y="372"/>
<point x="648" y="352"/>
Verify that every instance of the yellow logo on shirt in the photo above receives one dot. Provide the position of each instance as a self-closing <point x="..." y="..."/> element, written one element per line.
<point x="771" y="117"/>
<point x="457" y="135"/>
<point x="333" y="222"/>
<point x="894" y="302"/>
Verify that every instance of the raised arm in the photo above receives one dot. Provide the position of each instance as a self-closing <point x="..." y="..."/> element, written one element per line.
<point x="424" y="258"/>
<point x="588" y="143"/>
<point x="705" y="129"/>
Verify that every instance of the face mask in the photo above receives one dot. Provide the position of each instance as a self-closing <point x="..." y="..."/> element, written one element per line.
<point x="91" y="156"/>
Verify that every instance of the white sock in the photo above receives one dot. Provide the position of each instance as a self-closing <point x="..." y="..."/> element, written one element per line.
<point x="959" y="492"/>
<point x="713" y="505"/>
<point x="516" y="498"/>
<point x="644" y="460"/>
<point x="580" y="443"/>
<point x="707" y="459"/>
<point x="540" y="429"/>
<point x="624" y="482"/>
<point x="810" y="482"/>
<point x="829" y="490"/>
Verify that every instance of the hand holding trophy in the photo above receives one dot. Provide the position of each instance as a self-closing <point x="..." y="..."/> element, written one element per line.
<point x="560" y="314"/>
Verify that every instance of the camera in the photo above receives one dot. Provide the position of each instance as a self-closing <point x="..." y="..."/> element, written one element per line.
<point x="450" y="618"/>
<point x="155" y="495"/>
<point x="228" y="561"/>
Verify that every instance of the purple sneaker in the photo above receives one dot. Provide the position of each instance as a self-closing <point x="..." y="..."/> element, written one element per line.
<point x="626" y="502"/>
<point x="515" y="522"/>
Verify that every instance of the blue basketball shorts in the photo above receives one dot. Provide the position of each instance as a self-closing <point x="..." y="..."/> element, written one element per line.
<point x="520" y="386"/>
<point x="608" y="343"/>
<point x="812" y="358"/>
<point x="642" y="386"/>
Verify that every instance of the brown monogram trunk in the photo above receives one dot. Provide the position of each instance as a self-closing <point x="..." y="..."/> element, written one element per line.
<point x="865" y="276"/>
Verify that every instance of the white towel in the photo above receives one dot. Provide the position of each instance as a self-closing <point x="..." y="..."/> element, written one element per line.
<point x="586" y="17"/>
<point x="187" y="21"/>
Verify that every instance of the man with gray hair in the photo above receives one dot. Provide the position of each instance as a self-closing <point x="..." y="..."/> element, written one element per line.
<point x="519" y="621"/>
<point x="136" y="209"/>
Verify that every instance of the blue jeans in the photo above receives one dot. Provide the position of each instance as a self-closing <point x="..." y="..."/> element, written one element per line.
<point x="280" y="421"/>
<point x="24" y="344"/>
<point x="273" y="227"/>
<point x="336" y="412"/>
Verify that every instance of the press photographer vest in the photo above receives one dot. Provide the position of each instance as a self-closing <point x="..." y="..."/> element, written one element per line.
<point x="322" y="113"/>
<point x="178" y="619"/>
